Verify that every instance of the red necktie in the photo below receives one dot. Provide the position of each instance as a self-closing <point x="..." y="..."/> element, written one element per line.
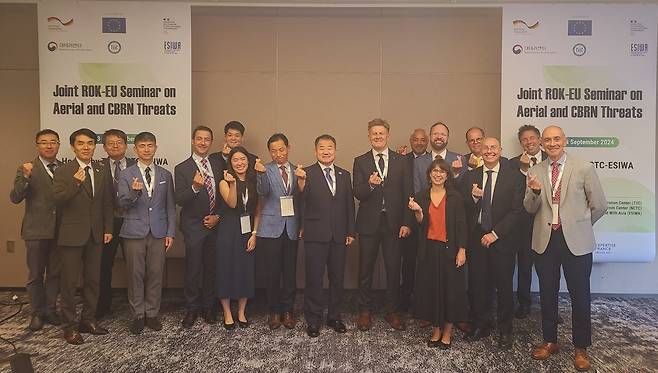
<point x="208" y="183"/>
<point x="555" y="172"/>
<point x="284" y="176"/>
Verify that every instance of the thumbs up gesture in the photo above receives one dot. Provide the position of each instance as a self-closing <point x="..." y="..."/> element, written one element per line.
<point x="374" y="179"/>
<point x="197" y="182"/>
<point x="476" y="191"/>
<point x="300" y="173"/>
<point x="228" y="177"/>
<point x="27" y="169"/>
<point x="259" y="167"/>
<point x="413" y="205"/>
<point x="136" y="185"/>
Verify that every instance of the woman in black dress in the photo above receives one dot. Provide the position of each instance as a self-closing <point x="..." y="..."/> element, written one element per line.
<point x="440" y="294"/>
<point x="236" y="238"/>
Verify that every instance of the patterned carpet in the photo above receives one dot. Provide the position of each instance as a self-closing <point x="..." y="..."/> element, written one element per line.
<point x="625" y="340"/>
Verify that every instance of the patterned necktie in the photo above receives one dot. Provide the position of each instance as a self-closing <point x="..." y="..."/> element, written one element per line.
<point x="87" y="181"/>
<point x="147" y="176"/>
<point x="51" y="167"/>
<point x="208" y="183"/>
<point x="284" y="177"/>
<point x="117" y="171"/>
<point x="533" y="161"/>
<point x="555" y="172"/>
<point x="382" y="166"/>
<point x="486" y="218"/>
<point x="330" y="180"/>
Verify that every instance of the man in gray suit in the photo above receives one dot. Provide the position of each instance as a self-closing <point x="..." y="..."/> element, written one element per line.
<point x="439" y="134"/>
<point x="34" y="184"/>
<point x="146" y="192"/>
<point x="278" y="230"/>
<point x="566" y="197"/>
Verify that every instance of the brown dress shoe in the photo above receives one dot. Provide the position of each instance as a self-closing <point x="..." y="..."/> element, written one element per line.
<point x="581" y="361"/>
<point x="274" y="321"/>
<point x="289" y="320"/>
<point x="464" y="327"/>
<point x="424" y="323"/>
<point x="91" y="328"/>
<point x="544" y="351"/>
<point x="395" y="321"/>
<point x="71" y="336"/>
<point x="363" y="322"/>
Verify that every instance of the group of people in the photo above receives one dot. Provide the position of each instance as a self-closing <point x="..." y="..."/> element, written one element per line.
<point x="450" y="226"/>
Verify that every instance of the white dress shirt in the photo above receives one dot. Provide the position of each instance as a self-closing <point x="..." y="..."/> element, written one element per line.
<point x="142" y="169"/>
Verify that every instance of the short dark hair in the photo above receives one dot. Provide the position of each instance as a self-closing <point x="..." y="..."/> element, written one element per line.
<point x="82" y="132"/>
<point x="144" y="137"/>
<point x="442" y="164"/>
<point x="277" y="137"/>
<point x="325" y="137"/>
<point x="117" y="133"/>
<point x="234" y="125"/>
<point x="440" y="124"/>
<point x="528" y="127"/>
<point x="46" y="131"/>
<point x="201" y="128"/>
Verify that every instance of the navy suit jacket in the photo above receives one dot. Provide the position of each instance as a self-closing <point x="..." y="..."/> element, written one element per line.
<point x="421" y="164"/>
<point x="270" y="189"/>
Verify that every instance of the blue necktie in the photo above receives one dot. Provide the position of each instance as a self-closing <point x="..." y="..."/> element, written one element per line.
<point x="330" y="180"/>
<point x="486" y="218"/>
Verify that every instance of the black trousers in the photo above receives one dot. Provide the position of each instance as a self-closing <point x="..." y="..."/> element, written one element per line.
<point x="43" y="276"/>
<point x="201" y="272"/>
<point x="368" y="250"/>
<point x="107" y="263"/>
<point x="524" y="259"/>
<point x="577" y="270"/>
<point x="317" y="256"/>
<point x="408" y="252"/>
<point x="280" y="257"/>
<point x="490" y="269"/>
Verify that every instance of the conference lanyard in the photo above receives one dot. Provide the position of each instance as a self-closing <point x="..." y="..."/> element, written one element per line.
<point x="555" y="188"/>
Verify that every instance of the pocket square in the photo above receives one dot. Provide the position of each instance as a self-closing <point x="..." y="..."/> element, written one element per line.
<point x="162" y="182"/>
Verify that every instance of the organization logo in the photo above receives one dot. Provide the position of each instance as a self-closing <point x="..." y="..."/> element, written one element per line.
<point x="52" y="46"/>
<point x="531" y="49"/>
<point x="639" y="49"/>
<point x="172" y="47"/>
<point x="579" y="49"/>
<point x="67" y="46"/>
<point x="114" y="25"/>
<point x="636" y="27"/>
<point x="517" y="49"/>
<point x="57" y="24"/>
<point x="522" y="27"/>
<point x="580" y="27"/>
<point x="114" y="47"/>
<point x="169" y="24"/>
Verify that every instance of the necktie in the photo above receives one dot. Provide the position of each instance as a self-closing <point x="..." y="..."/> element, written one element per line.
<point x="438" y="156"/>
<point x="555" y="172"/>
<point x="87" y="181"/>
<point x="51" y="167"/>
<point x="117" y="171"/>
<point x="284" y="177"/>
<point x="381" y="165"/>
<point x="533" y="161"/>
<point x="330" y="180"/>
<point x="147" y="175"/>
<point x="208" y="183"/>
<point x="486" y="217"/>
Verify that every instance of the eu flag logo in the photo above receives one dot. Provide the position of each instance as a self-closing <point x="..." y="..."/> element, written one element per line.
<point x="580" y="27"/>
<point x="114" y="25"/>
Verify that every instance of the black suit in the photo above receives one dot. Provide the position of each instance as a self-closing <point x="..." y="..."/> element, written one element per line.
<point x="327" y="221"/>
<point x="524" y="253"/>
<point x="382" y="211"/>
<point x="493" y="267"/>
<point x="200" y="242"/>
<point x="218" y="159"/>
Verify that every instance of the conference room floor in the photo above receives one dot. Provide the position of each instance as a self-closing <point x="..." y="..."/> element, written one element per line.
<point x="625" y="339"/>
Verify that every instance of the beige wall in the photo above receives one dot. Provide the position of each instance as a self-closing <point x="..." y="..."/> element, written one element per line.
<point x="298" y="71"/>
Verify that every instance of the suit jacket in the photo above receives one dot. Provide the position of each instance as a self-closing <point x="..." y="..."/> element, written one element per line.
<point x="525" y="225"/>
<point x="195" y="206"/>
<point x="506" y="206"/>
<point x="82" y="213"/>
<point x="40" y="219"/>
<point x="582" y="203"/>
<point x="106" y="165"/>
<point x="516" y="161"/>
<point x="467" y="156"/>
<point x="396" y="190"/>
<point x="223" y="164"/>
<point x="421" y="164"/>
<point x="456" y="227"/>
<point x="270" y="189"/>
<point x="144" y="214"/>
<point x="327" y="217"/>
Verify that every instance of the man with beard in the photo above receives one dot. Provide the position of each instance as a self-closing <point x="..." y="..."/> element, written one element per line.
<point x="439" y="134"/>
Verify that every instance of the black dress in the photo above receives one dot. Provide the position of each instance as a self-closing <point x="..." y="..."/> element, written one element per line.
<point x="440" y="293"/>
<point x="235" y="266"/>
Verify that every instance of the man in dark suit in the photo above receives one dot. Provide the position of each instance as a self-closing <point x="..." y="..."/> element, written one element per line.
<point x="494" y="206"/>
<point x="439" y="135"/>
<point x="382" y="184"/>
<point x="474" y="137"/>
<point x="328" y="228"/>
<point x="34" y="184"/>
<point x="83" y="195"/>
<point x="115" y="143"/>
<point x="529" y="138"/>
<point x="196" y="192"/>
<point x="233" y="136"/>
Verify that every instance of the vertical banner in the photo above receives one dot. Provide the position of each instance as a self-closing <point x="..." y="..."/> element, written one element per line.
<point x="591" y="69"/>
<point x="120" y="64"/>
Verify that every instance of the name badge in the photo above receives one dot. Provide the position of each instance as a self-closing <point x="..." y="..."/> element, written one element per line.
<point x="245" y="224"/>
<point x="556" y="215"/>
<point x="287" y="206"/>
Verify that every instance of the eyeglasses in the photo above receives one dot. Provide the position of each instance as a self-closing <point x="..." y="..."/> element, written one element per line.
<point x="475" y="141"/>
<point x="114" y="143"/>
<point x="47" y="143"/>
<point x="438" y="171"/>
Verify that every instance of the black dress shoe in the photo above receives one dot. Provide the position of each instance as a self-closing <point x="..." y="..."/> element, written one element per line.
<point x="243" y="324"/>
<point x="229" y="326"/>
<point x="137" y="326"/>
<point x="522" y="312"/>
<point x="190" y="319"/>
<point x="36" y="323"/>
<point x="433" y="344"/>
<point x="477" y="334"/>
<point x="210" y="317"/>
<point x="154" y="323"/>
<point x="91" y="328"/>
<point x="505" y="341"/>
<point x="53" y="319"/>
<point x="445" y="346"/>
<point x="71" y="336"/>
<point x="313" y="331"/>
<point x="337" y="326"/>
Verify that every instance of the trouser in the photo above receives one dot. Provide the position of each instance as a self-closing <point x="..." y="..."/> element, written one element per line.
<point x="107" y="263"/>
<point x="317" y="256"/>
<point x="43" y="276"/>
<point x="280" y="256"/>
<point x="200" y="271"/>
<point x="145" y="259"/>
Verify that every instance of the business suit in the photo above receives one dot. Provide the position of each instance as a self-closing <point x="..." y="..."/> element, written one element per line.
<point x="503" y="161"/>
<point x="110" y="249"/>
<point x="524" y="253"/>
<point x="86" y="215"/>
<point x="421" y="164"/>
<point x="200" y="242"/>
<point x="328" y="220"/>
<point x="277" y="235"/>
<point x="39" y="232"/>
<point x="581" y="204"/>
<point x="223" y="163"/>
<point x="148" y="220"/>
<point x="382" y="211"/>
<point x="493" y="267"/>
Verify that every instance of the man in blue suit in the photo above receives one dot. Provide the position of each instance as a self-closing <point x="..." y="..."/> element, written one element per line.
<point x="146" y="192"/>
<point x="439" y="134"/>
<point x="278" y="230"/>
